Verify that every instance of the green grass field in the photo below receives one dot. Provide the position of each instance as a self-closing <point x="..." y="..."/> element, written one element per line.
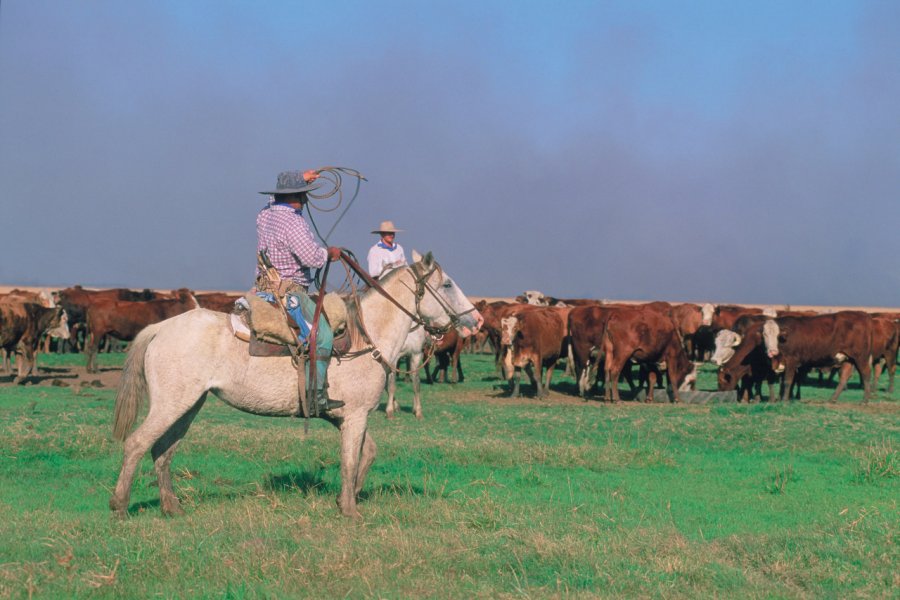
<point x="486" y="497"/>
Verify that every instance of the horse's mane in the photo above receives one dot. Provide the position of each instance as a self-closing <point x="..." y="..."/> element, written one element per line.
<point x="354" y="328"/>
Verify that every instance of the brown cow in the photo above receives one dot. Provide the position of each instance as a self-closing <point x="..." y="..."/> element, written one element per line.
<point x="21" y="326"/>
<point x="646" y="336"/>
<point x="77" y="299"/>
<point x="217" y="301"/>
<point x="885" y="343"/>
<point x="843" y="338"/>
<point x="445" y="354"/>
<point x="587" y="326"/>
<point x="124" y="320"/>
<point x="689" y="318"/>
<point x="493" y="313"/>
<point x="534" y="339"/>
<point x="742" y="359"/>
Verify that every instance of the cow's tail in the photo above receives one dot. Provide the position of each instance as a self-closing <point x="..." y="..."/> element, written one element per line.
<point x="133" y="383"/>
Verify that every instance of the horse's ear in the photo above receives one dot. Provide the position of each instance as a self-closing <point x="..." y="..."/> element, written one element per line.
<point x="416" y="256"/>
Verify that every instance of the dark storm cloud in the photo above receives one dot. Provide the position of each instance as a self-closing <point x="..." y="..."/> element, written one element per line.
<point x="135" y="158"/>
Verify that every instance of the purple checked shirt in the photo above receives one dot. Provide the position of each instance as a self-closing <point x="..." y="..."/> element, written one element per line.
<point x="291" y="246"/>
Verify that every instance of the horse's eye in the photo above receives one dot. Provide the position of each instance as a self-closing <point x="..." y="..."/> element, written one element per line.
<point x="448" y="284"/>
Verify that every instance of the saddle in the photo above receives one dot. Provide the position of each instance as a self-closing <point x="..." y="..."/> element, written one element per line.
<point x="269" y="332"/>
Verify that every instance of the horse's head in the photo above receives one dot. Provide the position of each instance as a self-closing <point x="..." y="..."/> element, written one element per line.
<point x="439" y="301"/>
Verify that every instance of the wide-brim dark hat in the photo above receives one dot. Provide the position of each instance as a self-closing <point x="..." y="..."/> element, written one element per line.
<point x="291" y="182"/>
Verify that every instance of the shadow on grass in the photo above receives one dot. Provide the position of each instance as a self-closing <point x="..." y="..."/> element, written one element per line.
<point x="304" y="481"/>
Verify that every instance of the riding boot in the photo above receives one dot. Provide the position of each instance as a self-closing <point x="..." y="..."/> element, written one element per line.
<point x="325" y="403"/>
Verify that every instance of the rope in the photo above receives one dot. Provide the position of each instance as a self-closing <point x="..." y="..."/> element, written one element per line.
<point x="333" y="175"/>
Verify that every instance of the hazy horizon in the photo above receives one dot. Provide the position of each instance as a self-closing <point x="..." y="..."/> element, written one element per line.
<point x="729" y="152"/>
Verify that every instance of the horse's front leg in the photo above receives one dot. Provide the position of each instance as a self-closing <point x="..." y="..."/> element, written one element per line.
<point x="415" y="363"/>
<point x="353" y="434"/>
<point x="367" y="457"/>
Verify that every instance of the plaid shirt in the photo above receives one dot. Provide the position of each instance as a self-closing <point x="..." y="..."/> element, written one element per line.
<point x="291" y="246"/>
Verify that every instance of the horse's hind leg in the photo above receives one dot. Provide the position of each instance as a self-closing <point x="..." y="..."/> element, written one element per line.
<point x="158" y="422"/>
<point x="163" y="451"/>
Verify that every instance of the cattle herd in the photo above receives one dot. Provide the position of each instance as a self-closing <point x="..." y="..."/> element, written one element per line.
<point x="749" y="345"/>
<point x="644" y="344"/>
<point x="76" y="319"/>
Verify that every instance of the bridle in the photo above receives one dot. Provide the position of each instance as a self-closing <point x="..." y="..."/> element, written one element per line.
<point x="422" y="286"/>
<point x="420" y="279"/>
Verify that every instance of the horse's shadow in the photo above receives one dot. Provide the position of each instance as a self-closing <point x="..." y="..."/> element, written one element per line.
<point x="304" y="481"/>
<point x="307" y="481"/>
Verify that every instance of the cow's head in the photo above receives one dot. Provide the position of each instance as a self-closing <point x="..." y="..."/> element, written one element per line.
<point x="726" y="342"/>
<point x="706" y="312"/>
<point x="690" y="379"/>
<point x="509" y="327"/>
<point x="59" y="327"/>
<point x="771" y="337"/>
<point x="727" y="379"/>
<point x="534" y="298"/>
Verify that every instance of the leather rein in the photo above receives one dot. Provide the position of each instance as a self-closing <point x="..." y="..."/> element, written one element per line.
<point x="422" y="286"/>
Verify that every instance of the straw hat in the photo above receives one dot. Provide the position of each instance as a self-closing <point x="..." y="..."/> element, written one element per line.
<point x="387" y="227"/>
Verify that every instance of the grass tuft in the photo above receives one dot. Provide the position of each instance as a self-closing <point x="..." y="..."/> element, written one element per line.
<point x="877" y="462"/>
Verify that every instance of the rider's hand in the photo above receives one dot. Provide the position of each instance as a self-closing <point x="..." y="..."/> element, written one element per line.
<point x="334" y="253"/>
<point x="310" y="175"/>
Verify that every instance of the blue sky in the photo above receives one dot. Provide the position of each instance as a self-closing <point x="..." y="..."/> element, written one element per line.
<point x="701" y="151"/>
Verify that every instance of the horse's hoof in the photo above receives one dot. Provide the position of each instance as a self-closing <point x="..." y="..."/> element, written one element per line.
<point x="350" y="512"/>
<point x="172" y="511"/>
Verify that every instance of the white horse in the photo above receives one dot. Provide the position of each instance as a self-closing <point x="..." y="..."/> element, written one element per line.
<point x="178" y="361"/>
<point x="414" y="348"/>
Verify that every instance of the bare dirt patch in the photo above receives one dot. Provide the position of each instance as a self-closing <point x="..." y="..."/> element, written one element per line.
<point x="74" y="377"/>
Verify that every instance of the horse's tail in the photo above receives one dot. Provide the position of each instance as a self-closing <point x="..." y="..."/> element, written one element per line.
<point x="133" y="383"/>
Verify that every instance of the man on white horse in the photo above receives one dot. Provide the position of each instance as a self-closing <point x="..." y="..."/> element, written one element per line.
<point x="386" y="254"/>
<point x="284" y="235"/>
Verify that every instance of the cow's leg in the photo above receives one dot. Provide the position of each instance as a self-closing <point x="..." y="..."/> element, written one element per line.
<point x="548" y="377"/>
<point x="864" y="368"/>
<point x="607" y="380"/>
<point x="25" y="360"/>
<point x="535" y="379"/>
<point x="846" y="369"/>
<point x="514" y="382"/>
<point x="651" y="383"/>
<point x="163" y="451"/>
<point x="614" y="373"/>
<point x="353" y="434"/>
<point x="91" y="347"/>
<point x="876" y="374"/>
<point x="453" y="374"/>
<point x="460" y="377"/>
<point x="789" y="374"/>
<point x="391" y="391"/>
<point x="892" y="368"/>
